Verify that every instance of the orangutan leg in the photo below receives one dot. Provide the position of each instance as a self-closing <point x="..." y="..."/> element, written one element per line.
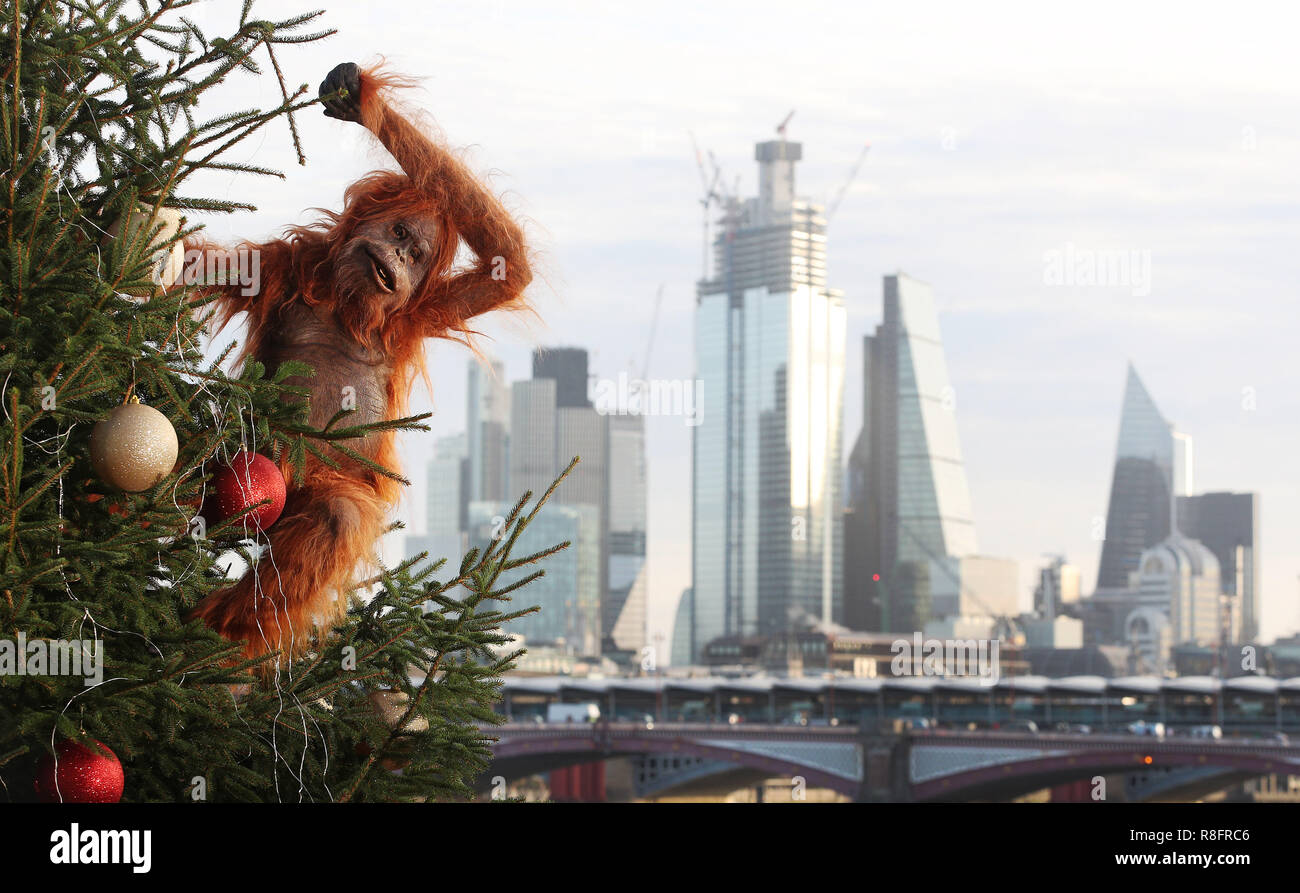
<point x="329" y="528"/>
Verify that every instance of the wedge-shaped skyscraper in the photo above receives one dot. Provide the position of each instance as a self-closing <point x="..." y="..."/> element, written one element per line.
<point x="1153" y="464"/>
<point x="909" y="504"/>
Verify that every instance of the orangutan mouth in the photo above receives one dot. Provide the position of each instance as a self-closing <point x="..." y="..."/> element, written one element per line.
<point x="383" y="276"/>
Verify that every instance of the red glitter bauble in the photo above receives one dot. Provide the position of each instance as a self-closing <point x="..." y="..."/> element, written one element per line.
<point x="249" y="479"/>
<point x="85" y="775"/>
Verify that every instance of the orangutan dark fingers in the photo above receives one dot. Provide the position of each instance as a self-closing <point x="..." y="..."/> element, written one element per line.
<point x="345" y="81"/>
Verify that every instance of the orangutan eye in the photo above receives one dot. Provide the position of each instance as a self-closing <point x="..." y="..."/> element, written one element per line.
<point x="399" y="231"/>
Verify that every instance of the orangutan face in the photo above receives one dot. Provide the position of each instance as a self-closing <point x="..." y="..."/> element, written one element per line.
<point x="386" y="260"/>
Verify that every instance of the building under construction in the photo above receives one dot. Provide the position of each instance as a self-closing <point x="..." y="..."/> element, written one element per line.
<point x="769" y="350"/>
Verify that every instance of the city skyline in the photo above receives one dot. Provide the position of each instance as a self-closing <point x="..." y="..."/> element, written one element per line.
<point x="1115" y="138"/>
<point x="518" y="438"/>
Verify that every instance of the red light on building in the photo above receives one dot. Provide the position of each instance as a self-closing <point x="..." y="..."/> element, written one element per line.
<point x="875" y="578"/>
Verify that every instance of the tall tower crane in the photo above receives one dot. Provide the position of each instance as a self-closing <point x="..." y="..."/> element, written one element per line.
<point x="843" y="190"/>
<point x="709" y="195"/>
<point x="714" y="194"/>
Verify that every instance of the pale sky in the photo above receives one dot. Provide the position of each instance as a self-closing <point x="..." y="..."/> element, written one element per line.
<point x="999" y="132"/>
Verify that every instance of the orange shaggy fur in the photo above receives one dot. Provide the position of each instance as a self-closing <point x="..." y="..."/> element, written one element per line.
<point x="333" y="518"/>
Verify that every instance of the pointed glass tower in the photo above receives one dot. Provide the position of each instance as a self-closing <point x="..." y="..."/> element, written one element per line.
<point x="909" y="503"/>
<point x="1152" y="466"/>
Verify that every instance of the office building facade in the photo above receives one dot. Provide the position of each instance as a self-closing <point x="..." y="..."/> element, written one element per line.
<point x="551" y="422"/>
<point x="974" y="586"/>
<point x="569" y="615"/>
<point x="909" y="503"/>
<point x="567" y="367"/>
<point x="445" y="489"/>
<point x="769" y="351"/>
<point x="445" y="494"/>
<point x="488" y="432"/>
<point x="627" y="593"/>
<point x="1153" y="465"/>
<point x="1228" y="525"/>
<point x="685" y="647"/>
<point x="1178" y="601"/>
<point x="1058" y="589"/>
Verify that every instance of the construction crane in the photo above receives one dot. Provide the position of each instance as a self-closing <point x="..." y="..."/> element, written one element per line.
<point x="708" y="197"/>
<point x="725" y="197"/>
<point x="714" y="193"/>
<point x="853" y="175"/>
<point x="780" y="128"/>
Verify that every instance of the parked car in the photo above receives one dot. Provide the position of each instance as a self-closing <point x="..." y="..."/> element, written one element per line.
<point x="572" y="712"/>
<point x="1148" y="729"/>
<point x="1208" y="731"/>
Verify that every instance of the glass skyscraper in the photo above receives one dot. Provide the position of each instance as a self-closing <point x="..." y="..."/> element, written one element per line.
<point x="624" y="615"/>
<point x="910" y="509"/>
<point x="551" y="421"/>
<point x="446" y="486"/>
<point x="769" y="351"/>
<point x="567" y="367"/>
<point x="566" y="593"/>
<point x="1152" y="467"/>
<point x="1228" y="525"/>
<point x="684" y="647"/>
<point x="488" y="431"/>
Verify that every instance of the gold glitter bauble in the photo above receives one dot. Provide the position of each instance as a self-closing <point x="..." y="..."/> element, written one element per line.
<point x="390" y="705"/>
<point x="166" y="263"/>
<point x="134" y="448"/>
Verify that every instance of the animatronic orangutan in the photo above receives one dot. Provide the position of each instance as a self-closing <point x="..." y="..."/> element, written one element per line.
<point x="355" y="296"/>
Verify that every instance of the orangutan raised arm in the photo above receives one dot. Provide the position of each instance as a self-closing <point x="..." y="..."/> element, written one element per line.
<point x="469" y="211"/>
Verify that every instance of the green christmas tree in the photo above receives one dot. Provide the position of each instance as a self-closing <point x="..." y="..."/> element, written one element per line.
<point x="101" y="118"/>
